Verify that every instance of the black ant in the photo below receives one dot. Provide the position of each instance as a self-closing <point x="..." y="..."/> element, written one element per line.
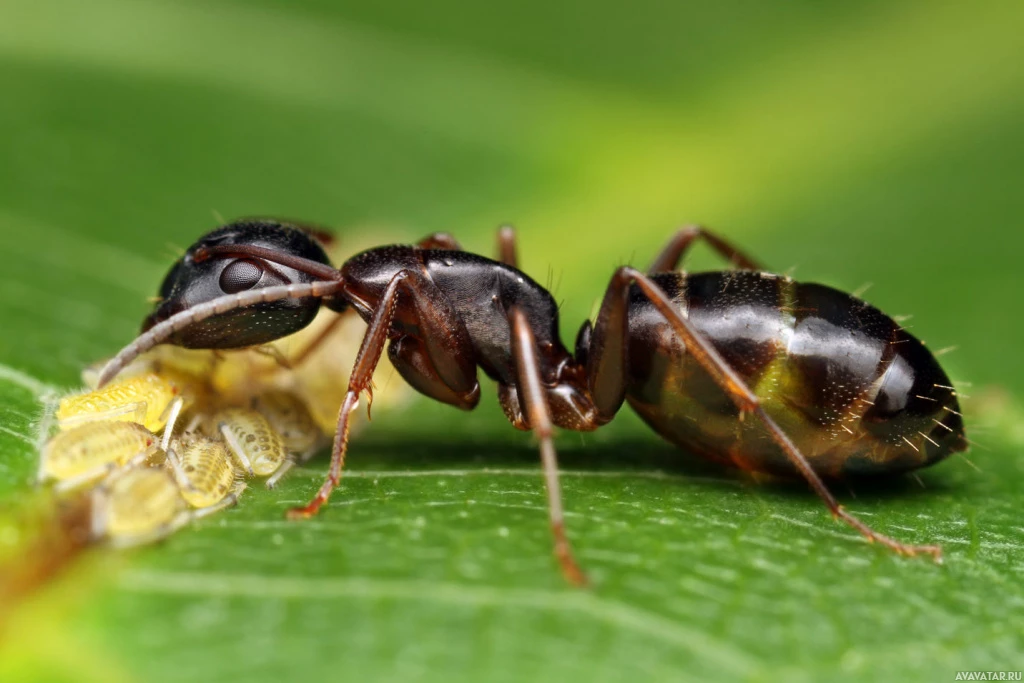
<point x="835" y="388"/>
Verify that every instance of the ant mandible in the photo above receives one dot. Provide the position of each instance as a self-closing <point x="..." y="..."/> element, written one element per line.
<point x="835" y="388"/>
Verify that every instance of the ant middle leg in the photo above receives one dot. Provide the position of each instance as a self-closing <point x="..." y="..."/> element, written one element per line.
<point x="445" y="340"/>
<point x="609" y="340"/>
<point x="506" y="244"/>
<point x="440" y="240"/>
<point x="531" y="390"/>
<point x="672" y="254"/>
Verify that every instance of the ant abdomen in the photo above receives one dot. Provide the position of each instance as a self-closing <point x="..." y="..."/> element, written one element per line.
<point x="856" y="393"/>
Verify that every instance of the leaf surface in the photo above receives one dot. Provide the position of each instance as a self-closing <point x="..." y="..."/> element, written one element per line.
<point x="855" y="143"/>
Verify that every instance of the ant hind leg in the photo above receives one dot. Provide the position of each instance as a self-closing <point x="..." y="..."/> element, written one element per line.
<point x="672" y="254"/>
<point x="701" y="350"/>
<point x="440" y="240"/>
<point x="507" y="250"/>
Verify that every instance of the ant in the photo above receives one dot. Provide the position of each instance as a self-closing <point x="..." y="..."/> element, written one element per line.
<point x="741" y="366"/>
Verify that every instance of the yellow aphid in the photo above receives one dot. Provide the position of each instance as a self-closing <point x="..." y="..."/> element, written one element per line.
<point x="143" y="505"/>
<point x="194" y="362"/>
<point x="91" y="450"/>
<point x="251" y="439"/>
<point x="188" y="370"/>
<point x="140" y="505"/>
<point x="244" y="373"/>
<point x="204" y="470"/>
<point x="290" y="418"/>
<point x="145" y="399"/>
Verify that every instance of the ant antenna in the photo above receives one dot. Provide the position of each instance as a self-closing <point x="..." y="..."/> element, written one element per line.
<point x="163" y="330"/>
<point x="304" y="265"/>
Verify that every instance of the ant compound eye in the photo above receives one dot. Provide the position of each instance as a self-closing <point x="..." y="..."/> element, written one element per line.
<point x="240" y="275"/>
<point x="200" y="278"/>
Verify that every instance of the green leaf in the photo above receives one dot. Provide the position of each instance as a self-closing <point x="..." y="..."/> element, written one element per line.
<point x="867" y="142"/>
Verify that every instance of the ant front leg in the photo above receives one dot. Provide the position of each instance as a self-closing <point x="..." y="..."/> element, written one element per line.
<point x="672" y="254"/>
<point x="607" y="380"/>
<point x="446" y="342"/>
<point x="524" y="350"/>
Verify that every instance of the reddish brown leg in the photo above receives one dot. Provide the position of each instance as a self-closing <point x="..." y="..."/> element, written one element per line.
<point x="524" y="350"/>
<point x="705" y="354"/>
<point x="440" y="240"/>
<point x="671" y="256"/>
<point x="324" y="335"/>
<point x="446" y="342"/>
<point x="507" y="246"/>
<point x="274" y="354"/>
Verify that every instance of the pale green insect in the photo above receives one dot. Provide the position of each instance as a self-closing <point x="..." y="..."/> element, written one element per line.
<point x="291" y="419"/>
<point x="149" y="399"/>
<point x="204" y="470"/>
<point x="93" y="450"/>
<point x="143" y="505"/>
<point x="254" y="443"/>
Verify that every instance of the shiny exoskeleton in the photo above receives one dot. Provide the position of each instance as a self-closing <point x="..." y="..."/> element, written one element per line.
<point x="856" y="393"/>
<point x="743" y="366"/>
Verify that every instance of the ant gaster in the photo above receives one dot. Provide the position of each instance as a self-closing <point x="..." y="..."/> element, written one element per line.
<point x="829" y="386"/>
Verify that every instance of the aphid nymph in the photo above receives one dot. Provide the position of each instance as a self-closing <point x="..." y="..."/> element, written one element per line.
<point x="92" y="450"/>
<point x="149" y="399"/>
<point x="254" y="443"/>
<point x="143" y="505"/>
<point x="204" y="470"/>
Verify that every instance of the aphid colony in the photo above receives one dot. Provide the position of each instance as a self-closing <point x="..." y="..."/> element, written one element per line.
<point x="179" y="435"/>
<point x="162" y="446"/>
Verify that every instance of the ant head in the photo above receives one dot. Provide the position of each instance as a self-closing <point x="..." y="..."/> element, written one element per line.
<point x="244" y="256"/>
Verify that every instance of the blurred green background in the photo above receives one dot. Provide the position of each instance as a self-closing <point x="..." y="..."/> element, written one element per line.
<point x="855" y="142"/>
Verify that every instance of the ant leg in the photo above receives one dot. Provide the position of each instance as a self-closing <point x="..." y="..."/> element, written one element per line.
<point x="321" y="337"/>
<point x="672" y="254"/>
<point x="507" y="246"/>
<point x="725" y="377"/>
<point x="446" y="342"/>
<point x="524" y="349"/>
<point x="440" y="240"/>
<point x="274" y="354"/>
